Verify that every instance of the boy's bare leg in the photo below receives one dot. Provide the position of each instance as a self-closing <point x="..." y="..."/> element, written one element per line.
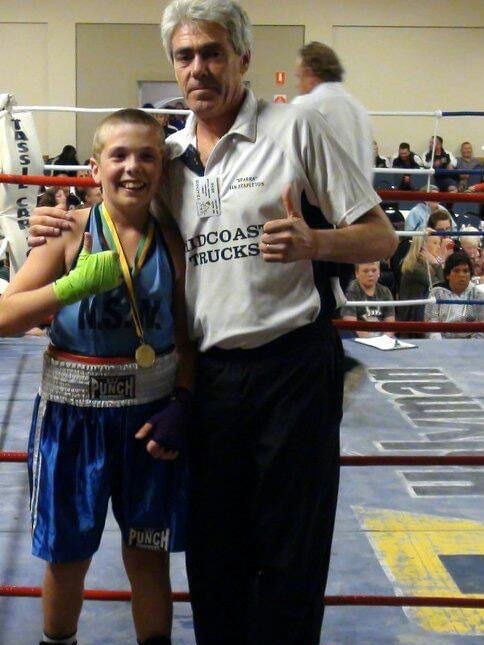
<point x="62" y="597"/>
<point x="149" y="575"/>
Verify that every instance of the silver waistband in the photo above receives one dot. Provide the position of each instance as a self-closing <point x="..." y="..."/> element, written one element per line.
<point x="107" y="386"/>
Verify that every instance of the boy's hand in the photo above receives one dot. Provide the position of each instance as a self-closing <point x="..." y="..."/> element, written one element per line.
<point x="47" y="221"/>
<point x="166" y="431"/>
<point x="94" y="273"/>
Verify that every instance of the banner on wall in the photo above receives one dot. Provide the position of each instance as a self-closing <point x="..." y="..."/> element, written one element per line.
<point x="20" y="154"/>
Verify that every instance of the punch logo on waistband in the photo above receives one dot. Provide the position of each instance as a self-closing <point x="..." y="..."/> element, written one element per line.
<point x="112" y="388"/>
<point x="153" y="539"/>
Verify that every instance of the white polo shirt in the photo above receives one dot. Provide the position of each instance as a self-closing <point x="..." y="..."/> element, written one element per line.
<point x="348" y="118"/>
<point x="234" y="298"/>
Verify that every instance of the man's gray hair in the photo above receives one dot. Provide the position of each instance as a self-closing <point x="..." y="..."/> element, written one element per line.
<point x="226" y="13"/>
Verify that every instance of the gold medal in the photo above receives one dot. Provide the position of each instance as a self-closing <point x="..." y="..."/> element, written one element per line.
<point x="145" y="355"/>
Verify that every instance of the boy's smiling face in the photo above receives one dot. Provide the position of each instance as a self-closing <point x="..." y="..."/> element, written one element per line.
<point x="129" y="166"/>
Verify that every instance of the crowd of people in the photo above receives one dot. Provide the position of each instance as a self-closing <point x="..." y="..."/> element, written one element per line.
<point x="438" y="158"/>
<point x="424" y="266"/>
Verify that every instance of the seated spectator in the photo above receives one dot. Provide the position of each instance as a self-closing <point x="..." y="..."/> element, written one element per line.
<point x="466" y="162"/>
<point x="178" y="120"/>
<point x="440" y="220"/>
<point x="366" y="287"/>
<point x="5" y="269"/>
<point x="163" y="120"/>
<point x="476" y="188"/>
<point x="85" y="172"/>
<point x="60" y="196"/>
<point x="442" y="160"/>
<point x="4" y="273"/>
<point x="472" y="245"/>
<point x="421" y="269"/>
<point x="418" y="216"/>
<point x="90" y="196"/>
<point x="54" y="196"/>
<point x="378" y="161"/>
<point x="406" y="159"/>
<point x="457" y="285"/>
<point x="167" y="127"/>
<point x="68" y="157"/>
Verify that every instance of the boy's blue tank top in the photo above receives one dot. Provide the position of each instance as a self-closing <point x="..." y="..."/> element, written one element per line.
<point x="102" y="325"/>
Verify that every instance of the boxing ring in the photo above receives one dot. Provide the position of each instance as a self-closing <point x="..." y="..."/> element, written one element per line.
<point x="408" y="551"/>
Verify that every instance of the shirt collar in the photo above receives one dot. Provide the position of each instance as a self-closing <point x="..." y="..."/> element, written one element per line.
<point x="245" y="125"/>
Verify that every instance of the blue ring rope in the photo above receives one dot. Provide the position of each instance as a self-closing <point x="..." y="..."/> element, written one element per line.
<point x="460" y="302"/>
<point x="454" y="233"/>
<point x="458" y="171"/>
<point x="463" y="113"/>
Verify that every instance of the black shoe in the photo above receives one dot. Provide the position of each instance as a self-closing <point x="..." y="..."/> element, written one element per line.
<point x="157" y="640"/>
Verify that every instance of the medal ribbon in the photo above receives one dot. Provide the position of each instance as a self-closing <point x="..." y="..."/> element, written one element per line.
<point x="141" y="253"/>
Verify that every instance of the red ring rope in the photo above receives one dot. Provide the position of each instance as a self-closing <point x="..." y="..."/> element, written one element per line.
<point x="386" y="195"/>
<point x="418" y="196"/>
<point x="353" y="600"/>
<point x="415" y="326"/>
<point x="46" y="180"/>
<point x="350" y="460"/>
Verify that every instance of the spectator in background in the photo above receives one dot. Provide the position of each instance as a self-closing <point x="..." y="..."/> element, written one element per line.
<point x="365" y="286"/>
<point x="85" y="172"/>
<point x="319" y="75"/>
<point x="421" y="268"/>
<point x="457" y="285"/>
<point x="440" y="220"/>
<point x="90" y="196"/>
<point x="406" y="159"/>
<point x="378" y="160"/>
<point x="5" y="269"/>
<point x="54" y="196"/>
<point x="476" y="188"/>
<point x="442" y="160"/>
<point x="319" y="80"/>
<point x="466" y="162"/>
<point x="163" y="120"/>
<point x="418" y="216"/>
<point x="471" y="244"/>
<point x="61" y="196"/>
<point x="68" y="157"/>
<point x="168" y="129"/>
<point x="178" y="120"/>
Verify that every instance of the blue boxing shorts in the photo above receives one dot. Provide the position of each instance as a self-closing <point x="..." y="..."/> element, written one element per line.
<point x="82" y="452"/>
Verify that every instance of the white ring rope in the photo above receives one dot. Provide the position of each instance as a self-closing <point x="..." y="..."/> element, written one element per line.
<point x="451" y="233"/>
<point x="59" y="108"/>
<point x="405" y="171"/>
<point x="389" y="303"/>
<point x="388" y="171"/>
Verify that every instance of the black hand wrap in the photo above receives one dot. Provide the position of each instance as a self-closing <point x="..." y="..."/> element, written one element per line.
<point x="170" y="425"/>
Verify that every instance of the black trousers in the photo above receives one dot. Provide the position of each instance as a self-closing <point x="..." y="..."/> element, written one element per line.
<point x="264" y="482"/>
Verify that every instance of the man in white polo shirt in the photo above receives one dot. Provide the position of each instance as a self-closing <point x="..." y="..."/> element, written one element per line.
<point x="265" y="449"/>
<point x="319" y="75"/>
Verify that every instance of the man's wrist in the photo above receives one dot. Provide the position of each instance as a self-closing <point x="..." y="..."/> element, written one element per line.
<point x="318" y="246"/>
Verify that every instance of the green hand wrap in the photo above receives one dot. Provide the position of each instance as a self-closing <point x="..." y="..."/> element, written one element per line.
<point x="94" y="273"/>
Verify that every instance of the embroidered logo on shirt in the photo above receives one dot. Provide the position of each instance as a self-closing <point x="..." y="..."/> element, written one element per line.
<point x="112" y="388"/>
<point x="246" y="182"/>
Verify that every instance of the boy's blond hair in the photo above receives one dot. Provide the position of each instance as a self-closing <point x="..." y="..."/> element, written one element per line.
<point x="126" y="115"/>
